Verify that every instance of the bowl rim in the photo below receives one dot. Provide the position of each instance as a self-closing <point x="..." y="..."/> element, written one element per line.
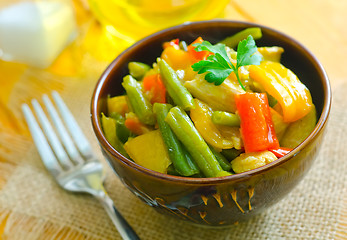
<point x="212" y="180"/>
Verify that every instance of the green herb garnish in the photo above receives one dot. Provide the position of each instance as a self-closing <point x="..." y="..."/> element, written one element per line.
<point x="218" y="66"/>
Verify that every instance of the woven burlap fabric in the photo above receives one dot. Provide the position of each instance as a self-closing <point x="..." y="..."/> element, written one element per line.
<point x="34" y="207"/>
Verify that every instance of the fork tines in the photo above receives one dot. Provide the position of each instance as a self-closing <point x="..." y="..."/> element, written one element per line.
<point x="70" y="136"/>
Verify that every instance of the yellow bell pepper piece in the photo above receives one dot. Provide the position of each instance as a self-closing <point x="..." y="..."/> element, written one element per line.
<point x="281" y="83"/>
<point x="223" y="137"/>
<point x="149" y="151"/>
<point x="176" y="58"/>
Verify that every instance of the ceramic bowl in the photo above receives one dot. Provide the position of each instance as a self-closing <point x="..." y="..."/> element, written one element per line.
<point x="226" y="200"/>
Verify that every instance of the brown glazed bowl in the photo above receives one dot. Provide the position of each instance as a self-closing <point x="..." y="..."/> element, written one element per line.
<point x="226" y="200"/>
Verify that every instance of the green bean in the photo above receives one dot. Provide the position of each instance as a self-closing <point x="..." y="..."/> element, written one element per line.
<point x="172" y="171"/>
<point x="138" y="69"/>
<point x="183" y="46"/>
<point x="186" y="132"/>
<point x="141" y="106"/>
<point x="223" y="162"/>
<point x="190" y="161"/>
<point x="232" y="153"/>
<point x="179" y="94"/>
<point x="176" y="151"/>
<point x="226" y="118"/>
<point x="234" y="40"/>
<point x="109" y="127"/>
<point x="123" y="133"/>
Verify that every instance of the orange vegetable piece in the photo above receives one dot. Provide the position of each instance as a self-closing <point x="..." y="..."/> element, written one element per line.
<point x="172" y="43"/>
<point x="155" y="86"/>
<point x="174" y="56"/>
<point x="280" y="152"/>
<point x="197" y="56"/>
<point x="134" y="125"/>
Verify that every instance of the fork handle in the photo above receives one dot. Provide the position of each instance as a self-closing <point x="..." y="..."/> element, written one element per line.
<point x="123" y="227"/>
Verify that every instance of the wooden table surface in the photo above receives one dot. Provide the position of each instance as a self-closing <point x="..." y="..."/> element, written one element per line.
<point x="320" y="25"/>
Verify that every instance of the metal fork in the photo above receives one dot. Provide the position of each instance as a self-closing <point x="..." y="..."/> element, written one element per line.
<point x="75" y="169"/>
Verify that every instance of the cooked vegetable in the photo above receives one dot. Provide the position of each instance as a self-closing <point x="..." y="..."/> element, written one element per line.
<point x="175" y="57"/>
<point x="299" y="130"/>
<point x="122" y="132"/>
<point x="138" y="69"/>
<point x="231" y="154"/>
<point x="201" y="116"/>
<point x="272" y="100"/>
<point x="141" y="150"/>
<point x="133" y="123"/>
<point x="176" y="151"/>
<point x="271" y="53"/>
<point x="223" y="162"/>
<point x="176" y="90"/>
<point x="194" y="52"/>
<point x="252" y="160"/>
<point x="183" y="45"/>
<point x="220" y="97"/>
<point x="141" y="106"/>
<point x="280" y="152"/>
<point x="232" y="133"/>
<point x="109" y="127"/>
<point x="225" y="118"/>
<point x="257" y="128"/>
<point x="218" y="66"/>
<point x="185" y="131"/>
<point x="293" y="96"/>
<point x="154" y="87"/>
<point x="117" y="104"/>
<point x="234" y="40"/>
<point x="279" y="125"/>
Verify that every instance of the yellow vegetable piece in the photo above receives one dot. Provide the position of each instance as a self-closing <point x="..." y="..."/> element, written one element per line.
<point x="109" y="127"/>
<point x="252" y="160"/>
<point x="298" y="131"/>
<point x="176" y="58"/>
<point x="233" y="134"/>
<point x="149" y="151"/>
<point x="117" y="104"/>
<point x="271" y="53"/>
<point x="222" y="137"/>
<point x="281" y="83"/>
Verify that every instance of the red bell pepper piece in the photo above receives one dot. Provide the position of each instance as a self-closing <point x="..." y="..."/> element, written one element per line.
<point x="155" y="86"/>
<point x="281" y="151"/>
<point x="257" y="128"/>
<point x="197" y="56"/>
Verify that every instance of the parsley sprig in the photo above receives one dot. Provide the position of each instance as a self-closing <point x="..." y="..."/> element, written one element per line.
<point x="218" y="66"/>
